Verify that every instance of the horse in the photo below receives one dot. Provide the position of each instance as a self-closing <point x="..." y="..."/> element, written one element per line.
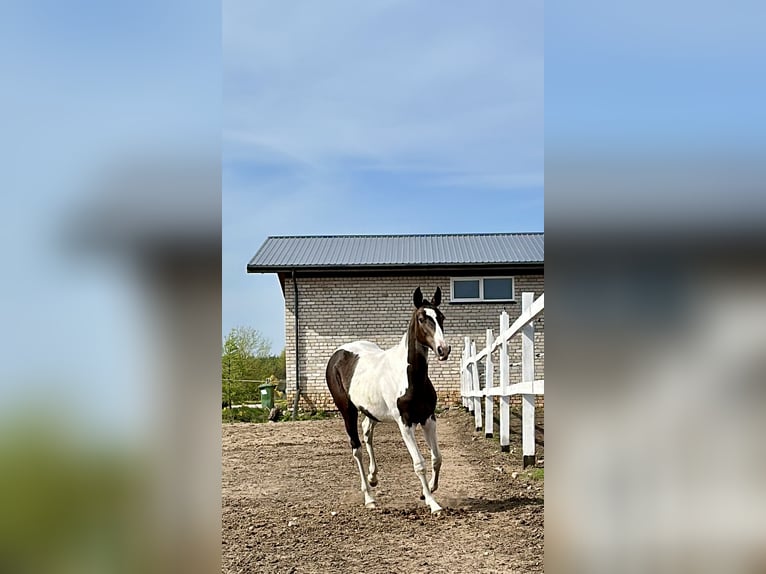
<point x="393" y="386"/>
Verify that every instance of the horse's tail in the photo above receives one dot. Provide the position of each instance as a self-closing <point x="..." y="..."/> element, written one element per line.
<point x="340" y="370"/>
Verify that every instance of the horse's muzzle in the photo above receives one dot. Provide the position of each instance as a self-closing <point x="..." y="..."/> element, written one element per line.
<point x="443" y="352"/>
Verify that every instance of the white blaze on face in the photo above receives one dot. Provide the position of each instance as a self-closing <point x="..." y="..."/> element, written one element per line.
<point x="438" y="335"/>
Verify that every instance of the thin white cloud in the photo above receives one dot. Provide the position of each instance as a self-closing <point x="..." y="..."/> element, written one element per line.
<point x="492" y="181"/>
<point x="386" y="82"/>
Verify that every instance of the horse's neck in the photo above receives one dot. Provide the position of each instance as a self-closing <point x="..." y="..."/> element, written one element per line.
<point x="417" y="359"/>
<point x="400" y="352"/>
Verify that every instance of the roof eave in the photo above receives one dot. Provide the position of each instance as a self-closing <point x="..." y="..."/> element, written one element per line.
<point x="350" y="269"/>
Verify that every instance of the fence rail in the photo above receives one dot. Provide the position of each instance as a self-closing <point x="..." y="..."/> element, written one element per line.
<point x="245" y="392"/>
<point x="472" y="391"/>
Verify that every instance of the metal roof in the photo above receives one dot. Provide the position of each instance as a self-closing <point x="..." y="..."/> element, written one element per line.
<point x="341" y="252"/>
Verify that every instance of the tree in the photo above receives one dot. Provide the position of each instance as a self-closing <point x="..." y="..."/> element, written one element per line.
<point x="249" y="342"/>
<point x="261" y="368"/>
<point x="242" y="349"/>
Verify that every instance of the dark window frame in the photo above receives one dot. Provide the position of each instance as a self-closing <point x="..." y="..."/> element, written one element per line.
<point x="481" y="298"/>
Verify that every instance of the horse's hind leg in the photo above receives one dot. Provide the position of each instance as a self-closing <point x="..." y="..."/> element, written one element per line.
<point x="368" y="427"/>
<point x="350" y="417"/>
<point x="429" y="430"/>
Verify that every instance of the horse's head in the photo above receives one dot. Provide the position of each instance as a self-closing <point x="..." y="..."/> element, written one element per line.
<point x="428" y="323"/>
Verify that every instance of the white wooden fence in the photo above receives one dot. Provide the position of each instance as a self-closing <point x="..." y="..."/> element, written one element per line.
<point x="472" y="391"/>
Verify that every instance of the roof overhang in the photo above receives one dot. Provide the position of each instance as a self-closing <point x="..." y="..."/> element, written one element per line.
<point x="284" y="273"/>
<point x="394" y="269"/>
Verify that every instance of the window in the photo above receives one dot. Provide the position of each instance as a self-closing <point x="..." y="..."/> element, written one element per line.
<point x="475" y="289"/>
<point x="465" y="289"/>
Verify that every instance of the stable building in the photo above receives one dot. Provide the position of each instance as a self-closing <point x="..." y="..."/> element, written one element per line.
<point x="339" y="289"/>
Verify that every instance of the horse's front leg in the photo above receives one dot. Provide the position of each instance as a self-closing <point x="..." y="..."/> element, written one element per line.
<point x="429" y="430"/>
<point x="408" y="434"/>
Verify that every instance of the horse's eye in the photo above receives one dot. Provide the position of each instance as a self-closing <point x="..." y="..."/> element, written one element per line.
<point x="420" y="319"/>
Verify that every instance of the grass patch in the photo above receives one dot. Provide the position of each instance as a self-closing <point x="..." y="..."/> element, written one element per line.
<point x="319" y="415"/>
<point x="537" y="474"/>
<point x="260" y="415"/>
<point x="245" y="415"/>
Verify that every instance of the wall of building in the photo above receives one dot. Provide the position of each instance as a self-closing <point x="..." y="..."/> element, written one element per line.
<point x="334" y="311"/>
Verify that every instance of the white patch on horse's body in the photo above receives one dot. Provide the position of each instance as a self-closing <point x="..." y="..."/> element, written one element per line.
<point x="380" y="377"/>
<point x="360" y="347"/>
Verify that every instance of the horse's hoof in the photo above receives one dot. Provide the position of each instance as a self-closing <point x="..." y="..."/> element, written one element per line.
<point x="437" y="511"/>
<point x="371" y="505"/>
<point x="373" y="482"/>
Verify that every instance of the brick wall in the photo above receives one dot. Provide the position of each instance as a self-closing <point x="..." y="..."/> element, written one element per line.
<point x="334" y="311"/>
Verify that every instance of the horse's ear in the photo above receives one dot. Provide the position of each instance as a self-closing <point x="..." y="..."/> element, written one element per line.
<point x="436" y="301"/>
<point x="417" y="298"/>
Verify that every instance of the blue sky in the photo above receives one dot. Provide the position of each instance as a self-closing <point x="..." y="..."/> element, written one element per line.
<point x="375" y="117"/>
<point x="92" y="90"/>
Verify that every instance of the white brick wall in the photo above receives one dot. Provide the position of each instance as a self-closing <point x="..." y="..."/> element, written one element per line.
<point x="333" y="311"/>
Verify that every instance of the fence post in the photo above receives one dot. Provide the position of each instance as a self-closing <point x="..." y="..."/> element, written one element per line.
<point x="228" y="399"/>
<point x="465" y="374"/>
<point x="528" y="375"/>
<point x="505" y="399"/>
<point x="489" y="373"/>
<point x="462" y="377"/>
<point x="468" y="376"/>
<point x="476" y="387"/>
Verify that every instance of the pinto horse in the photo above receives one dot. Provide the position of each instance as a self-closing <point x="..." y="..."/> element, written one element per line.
<point x="393" y="386"/>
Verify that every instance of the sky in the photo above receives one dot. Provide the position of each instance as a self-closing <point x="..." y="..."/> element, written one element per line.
<point x="374" y="118"/>
<point x="99" y="90"/>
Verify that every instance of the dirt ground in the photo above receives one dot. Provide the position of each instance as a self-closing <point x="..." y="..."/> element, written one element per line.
<point x="292" y="503"/>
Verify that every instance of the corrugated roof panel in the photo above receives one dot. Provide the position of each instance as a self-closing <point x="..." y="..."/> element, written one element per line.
<point x="398" y="250"/>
